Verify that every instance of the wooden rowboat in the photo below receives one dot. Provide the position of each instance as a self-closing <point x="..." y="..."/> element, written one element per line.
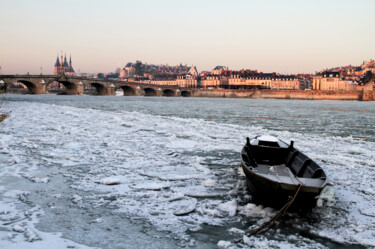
<point x="275" y="171"/>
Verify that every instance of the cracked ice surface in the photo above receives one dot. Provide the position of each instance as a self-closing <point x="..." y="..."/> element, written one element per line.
<point x="85" y="174"/>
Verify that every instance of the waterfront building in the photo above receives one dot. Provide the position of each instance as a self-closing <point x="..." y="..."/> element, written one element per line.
<point x="269" y="82"/>
<point x="186" y="80"/>
<point x="213" y="81"/>
<point x="156" y="71"/>
<point x="247" y="79"/>
<point x="164" y="82"/>
<point x="285" y="83"/>
<point x="335" y="81"/>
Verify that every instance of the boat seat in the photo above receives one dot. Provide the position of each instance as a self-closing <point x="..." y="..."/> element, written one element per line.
<point x="269" y="155"/>
<point x="290" y="160"/>
<point x="278" y="170"/>
<point x="291" y="157"/>
<point x="303" y="168"/>
<point x="299" y="164"/>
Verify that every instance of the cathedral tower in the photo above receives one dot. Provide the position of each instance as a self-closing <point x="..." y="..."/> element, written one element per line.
<point x="56" y="68"/>
<point x="62" y="67"/>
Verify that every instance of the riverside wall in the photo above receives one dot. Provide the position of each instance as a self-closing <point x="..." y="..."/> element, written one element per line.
<point x="286" y="94"/>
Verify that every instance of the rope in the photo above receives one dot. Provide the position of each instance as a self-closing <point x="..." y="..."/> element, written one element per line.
<point x="279" y="213"/>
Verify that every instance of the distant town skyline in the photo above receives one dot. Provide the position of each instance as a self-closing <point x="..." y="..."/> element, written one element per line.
<point x="288" y="37"/>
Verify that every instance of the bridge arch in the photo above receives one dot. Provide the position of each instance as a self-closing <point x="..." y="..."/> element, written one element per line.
<point x="71" y="88"/>
<point x="100" y="88"/>
<point x="32" y="87"/>
<point x="169" y="93"/>
<point x="185" y="94"/>
<point x="150" y="91"/>
<point x="55" y="87"/>
<point x="128" y="91"/>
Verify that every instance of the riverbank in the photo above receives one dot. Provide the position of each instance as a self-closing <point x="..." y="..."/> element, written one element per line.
<point x="286" y="94"/>
<point x="269" y="94"/>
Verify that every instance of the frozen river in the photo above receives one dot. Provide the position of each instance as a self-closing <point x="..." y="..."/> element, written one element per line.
<point x="138" y="172"/>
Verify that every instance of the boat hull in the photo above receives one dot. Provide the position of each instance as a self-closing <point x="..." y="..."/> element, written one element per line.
<point x="276" y="194"/>
<point x="275" y="171"/>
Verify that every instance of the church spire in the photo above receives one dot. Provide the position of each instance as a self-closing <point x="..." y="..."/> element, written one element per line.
<point x="70" y="69"/>
<point x="57" y="63"/>
<point x="65" y="62"/>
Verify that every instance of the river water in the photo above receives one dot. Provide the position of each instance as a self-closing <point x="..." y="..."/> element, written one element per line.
<point x="158" y="172"/>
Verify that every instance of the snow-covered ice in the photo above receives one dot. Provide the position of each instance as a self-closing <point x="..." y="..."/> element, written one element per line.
<point x="175" y="177"/>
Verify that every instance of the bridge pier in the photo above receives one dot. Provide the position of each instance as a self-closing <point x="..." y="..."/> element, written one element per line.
<point x="159" y="92"/>
<point x="73" y="88"/>
<point x="104" y="90"/>
<point x="35" y="86"/>
<point x="40" y="88"/>
<point x="80" y="88"/>
<point x="111" y="90"/>
<point x="138" y="91"/>
<point x="3" y="87"/>
<point x="178" y="93"/>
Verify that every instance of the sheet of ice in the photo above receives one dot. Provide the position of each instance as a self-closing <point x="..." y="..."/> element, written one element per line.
<point x="18" y="230"/>
<point x="163" y="166"/>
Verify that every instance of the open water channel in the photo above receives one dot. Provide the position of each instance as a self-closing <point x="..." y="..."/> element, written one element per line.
<point x="157" y="172"/>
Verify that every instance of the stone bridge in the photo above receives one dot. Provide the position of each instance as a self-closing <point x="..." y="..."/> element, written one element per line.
<point x="38" y="84"/>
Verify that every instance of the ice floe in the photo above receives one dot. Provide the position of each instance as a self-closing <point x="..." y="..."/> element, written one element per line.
<point x="176" y="174"/>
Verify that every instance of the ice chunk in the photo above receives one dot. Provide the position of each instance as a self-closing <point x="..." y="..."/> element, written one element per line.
<point x="98" y="220"/>
<point x="253" y="210"/>
<point x="187" y="210"/>
<point x="37" y="179"/>
<point x="109" y="181"/>
<point x="327" y="194"/>
<point x="76" y="199"/>
<point x="246" y="240"/>
<point x="224" y="244"/>
<point x="209" y="183"/>
<point x="236" y="230"/>
<point x="230" y="207"/>
<point x="153" y="185"/>
<point x="18" y="229"/>
<point x="30" y="235"/>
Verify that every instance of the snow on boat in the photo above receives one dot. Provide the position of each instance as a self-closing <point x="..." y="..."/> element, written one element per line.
<point x="275" y="170"/>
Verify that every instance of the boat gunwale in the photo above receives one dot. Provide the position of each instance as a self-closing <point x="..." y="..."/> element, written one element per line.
<point x="284" y="185"/>
<point x="287" y="186"/>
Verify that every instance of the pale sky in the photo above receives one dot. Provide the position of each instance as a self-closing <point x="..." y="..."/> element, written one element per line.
<point x="270" y="36"/>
